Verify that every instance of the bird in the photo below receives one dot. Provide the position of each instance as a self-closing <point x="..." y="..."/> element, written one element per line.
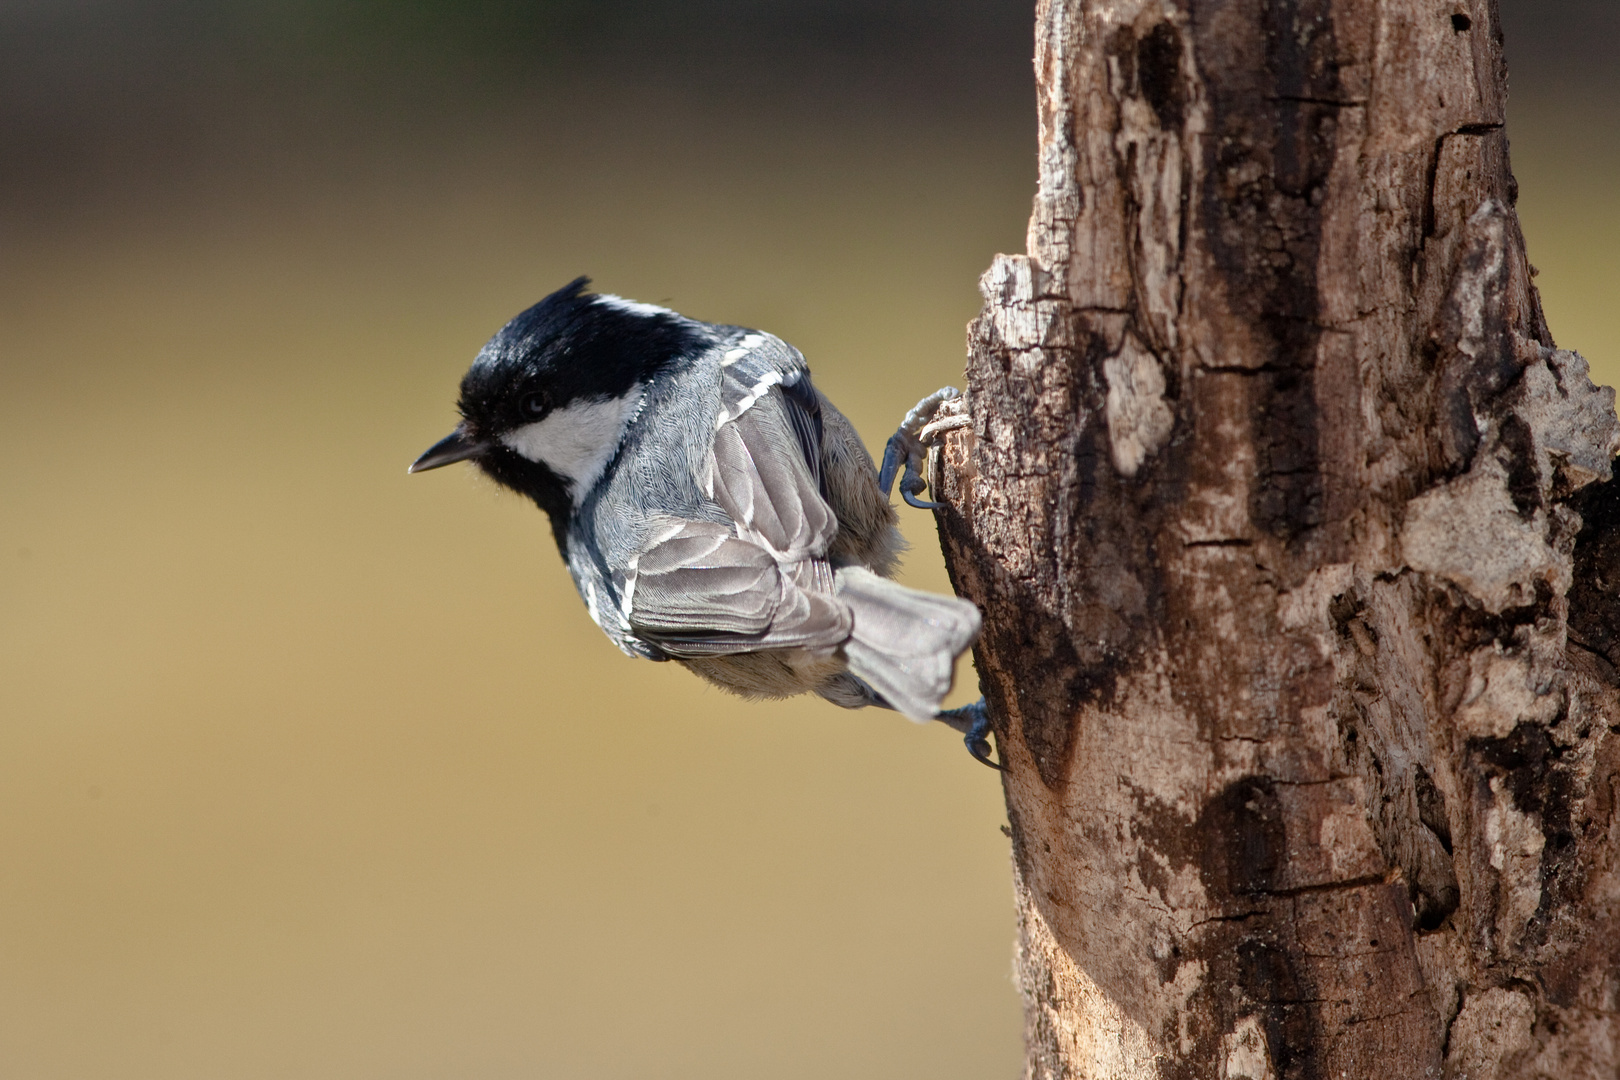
<point x="713" y="507"/>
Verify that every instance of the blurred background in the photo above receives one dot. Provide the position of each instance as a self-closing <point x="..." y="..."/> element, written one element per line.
<point x="311" y="769"/>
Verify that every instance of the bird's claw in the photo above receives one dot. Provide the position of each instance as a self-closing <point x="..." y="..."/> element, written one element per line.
<point x="923" y="429"/>
<point x="980" y="749"/>
<point x="973" y="721"/>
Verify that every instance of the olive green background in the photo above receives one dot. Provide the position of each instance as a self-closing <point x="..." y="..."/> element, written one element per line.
<point x="310" y="769"/>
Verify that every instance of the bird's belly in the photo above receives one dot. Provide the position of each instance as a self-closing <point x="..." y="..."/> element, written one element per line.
<point x="771" y="673"/>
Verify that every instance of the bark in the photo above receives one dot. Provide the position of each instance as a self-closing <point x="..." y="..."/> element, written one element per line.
<point x="1300" y="659"/>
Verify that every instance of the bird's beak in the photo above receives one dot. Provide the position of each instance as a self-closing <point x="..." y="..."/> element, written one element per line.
<point x="454" y="447"/>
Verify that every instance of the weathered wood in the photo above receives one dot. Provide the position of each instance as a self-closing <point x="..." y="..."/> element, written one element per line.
<point x="1273" y="502"/>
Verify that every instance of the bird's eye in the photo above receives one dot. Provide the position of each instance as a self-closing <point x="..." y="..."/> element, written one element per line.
<point x="534" y="405"/>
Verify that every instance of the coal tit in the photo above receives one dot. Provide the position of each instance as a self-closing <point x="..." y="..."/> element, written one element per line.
<point x="713" y="507"/>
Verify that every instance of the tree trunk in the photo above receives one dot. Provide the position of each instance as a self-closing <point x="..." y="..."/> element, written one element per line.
<point x="1299" y="659"/>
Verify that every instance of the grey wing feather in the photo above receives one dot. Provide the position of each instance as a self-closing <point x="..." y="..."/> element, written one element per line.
<point x="802" y="405"/>
<point x="767" y="450"/>
<point x="748" y="372"/>
<point x="763" y="483"/>
<point x="702" y="579"/>
<point x="701" y="591"/>
<point x="754" y="365"/>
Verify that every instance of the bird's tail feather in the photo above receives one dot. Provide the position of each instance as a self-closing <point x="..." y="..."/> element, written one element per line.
<point x="905" y="642"/>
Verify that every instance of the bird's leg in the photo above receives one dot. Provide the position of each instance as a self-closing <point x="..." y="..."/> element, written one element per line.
<point x="973" y="721"/>
<point x="923" y="428"/>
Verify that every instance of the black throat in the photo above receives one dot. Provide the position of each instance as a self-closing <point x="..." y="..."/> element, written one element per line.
<point x="536" y="481"/>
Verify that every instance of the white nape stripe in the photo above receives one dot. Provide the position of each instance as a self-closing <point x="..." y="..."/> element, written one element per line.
<point x="619" y="303"/>
<point x="578" y="441"/>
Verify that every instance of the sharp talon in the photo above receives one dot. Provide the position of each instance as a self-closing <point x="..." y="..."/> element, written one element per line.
<point x="980" y="749"/>
<point x="911" y="486"/>
<point x="977" y="744"/>
<point x="920" y="504"/>
<point x="974" y="723"/>
<point x="894" y="455"/>
<point x="935" y="428"/>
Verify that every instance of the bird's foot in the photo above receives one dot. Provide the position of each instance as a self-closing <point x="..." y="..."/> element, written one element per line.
<point x="973" y="721"/>
<point x="923" y="429"/>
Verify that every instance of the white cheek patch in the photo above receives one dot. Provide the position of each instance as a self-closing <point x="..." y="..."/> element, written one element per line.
<point x="577" y="442"/>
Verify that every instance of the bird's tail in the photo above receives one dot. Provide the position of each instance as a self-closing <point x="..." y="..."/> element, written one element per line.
<point x="905" y="642"/>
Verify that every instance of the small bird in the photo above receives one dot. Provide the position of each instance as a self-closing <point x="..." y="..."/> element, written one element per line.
<point x="712" y="506"/>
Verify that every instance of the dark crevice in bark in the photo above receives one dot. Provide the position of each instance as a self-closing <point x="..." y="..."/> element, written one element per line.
<point x="1332" y="103"/>
<point x="1432" y="807"/>
<point x="1244" y="838"/>
<point x="1472" y="626"/>
<point x="1265" y="229"/>
<point x="1524" y="476"/>
<point x="1158" y="65"/>
<point x="1594" y="595"/>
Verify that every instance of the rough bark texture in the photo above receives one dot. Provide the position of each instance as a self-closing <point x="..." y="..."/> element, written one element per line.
<point x="1299" y="656"/>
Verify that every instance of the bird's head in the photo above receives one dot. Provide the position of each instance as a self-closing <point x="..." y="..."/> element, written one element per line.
<point x="546" y="402"/>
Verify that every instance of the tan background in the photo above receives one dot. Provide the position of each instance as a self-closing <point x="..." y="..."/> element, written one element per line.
<point x="308" y="769"/>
